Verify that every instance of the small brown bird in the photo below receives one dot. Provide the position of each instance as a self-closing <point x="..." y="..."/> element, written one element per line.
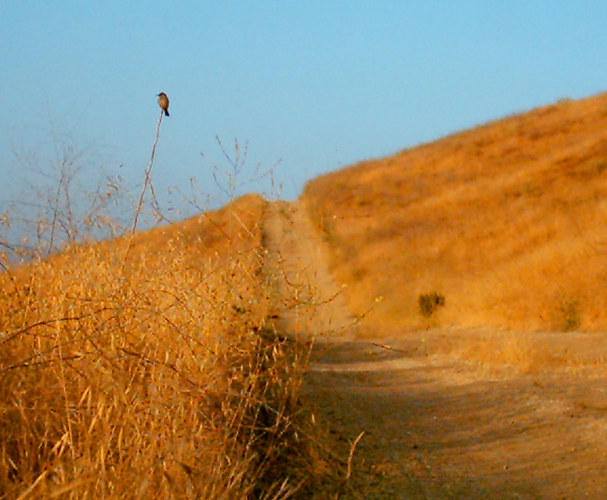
<point x="163" y="101"/>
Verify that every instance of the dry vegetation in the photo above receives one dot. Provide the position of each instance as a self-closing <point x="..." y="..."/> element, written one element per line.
<point x="145" y="367"/>
<point x="505" y="221"/>
<point x="147" y="376"/>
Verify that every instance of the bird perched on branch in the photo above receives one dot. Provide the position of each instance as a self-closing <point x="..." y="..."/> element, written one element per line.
<point x="163" y="101"/>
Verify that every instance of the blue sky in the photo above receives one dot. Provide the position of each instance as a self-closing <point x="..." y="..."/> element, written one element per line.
<point x="314" y="85"/>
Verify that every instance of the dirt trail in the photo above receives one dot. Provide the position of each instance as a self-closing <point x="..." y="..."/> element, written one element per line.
<point x="435" y="426"/>
<point x="306" y="299"/>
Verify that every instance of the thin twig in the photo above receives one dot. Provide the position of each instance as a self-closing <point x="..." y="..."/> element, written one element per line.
<point x="351" y="454"/>
<point x="146" y="182"/>
<point x="390" y="348"/>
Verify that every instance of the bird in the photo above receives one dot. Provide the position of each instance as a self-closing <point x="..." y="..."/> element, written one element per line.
<point x="163" y="101"/>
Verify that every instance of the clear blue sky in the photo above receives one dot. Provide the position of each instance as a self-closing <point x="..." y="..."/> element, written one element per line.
<point x="316" y="85"/>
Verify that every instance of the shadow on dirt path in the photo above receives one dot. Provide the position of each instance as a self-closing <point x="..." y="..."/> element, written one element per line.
<point x="434" y="426"/>
<point x="435" y="429"/>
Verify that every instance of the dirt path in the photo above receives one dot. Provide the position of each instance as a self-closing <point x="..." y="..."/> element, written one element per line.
<point x="306" y="299"/>
<point x="435" y="426"/>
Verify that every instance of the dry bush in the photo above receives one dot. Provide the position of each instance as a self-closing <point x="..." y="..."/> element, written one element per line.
<point x="147" y="377"/>
<point x="429" y="303"/>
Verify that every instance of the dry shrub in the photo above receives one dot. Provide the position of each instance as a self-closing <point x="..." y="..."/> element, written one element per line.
<point x="429" y="303"/>
<point x="147" y="377"/>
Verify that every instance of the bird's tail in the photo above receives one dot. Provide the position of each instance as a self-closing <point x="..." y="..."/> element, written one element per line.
<point x="166" y="112"/>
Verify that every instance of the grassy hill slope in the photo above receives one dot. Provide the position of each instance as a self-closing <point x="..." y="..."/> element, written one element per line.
<point x="505" y="221"/>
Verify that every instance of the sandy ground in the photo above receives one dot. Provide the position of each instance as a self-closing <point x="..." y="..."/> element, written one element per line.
<point x="435" y="424"/>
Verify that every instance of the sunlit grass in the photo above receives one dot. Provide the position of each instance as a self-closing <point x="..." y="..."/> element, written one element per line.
<point x="506" y="221"/>
<point x="148" y="377"/>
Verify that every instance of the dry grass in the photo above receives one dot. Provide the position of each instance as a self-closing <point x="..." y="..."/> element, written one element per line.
<point x="148" y="378"/>
<point x="506" y="221"/>
<point x="506" y="353"/>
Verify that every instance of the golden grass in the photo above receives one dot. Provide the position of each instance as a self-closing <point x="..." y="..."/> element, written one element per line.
<point x="505" y="220"/>
<point x="506" y="352"/>
<point x="149" y="379"/>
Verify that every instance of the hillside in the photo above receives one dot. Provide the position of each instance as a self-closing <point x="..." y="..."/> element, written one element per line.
<point x="505" y="221"/>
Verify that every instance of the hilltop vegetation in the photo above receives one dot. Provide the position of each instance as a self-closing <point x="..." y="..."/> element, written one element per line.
<point x="505" y="222"/>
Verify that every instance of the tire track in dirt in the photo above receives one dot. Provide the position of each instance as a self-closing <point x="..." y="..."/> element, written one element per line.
<point x="434" y="425"/>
